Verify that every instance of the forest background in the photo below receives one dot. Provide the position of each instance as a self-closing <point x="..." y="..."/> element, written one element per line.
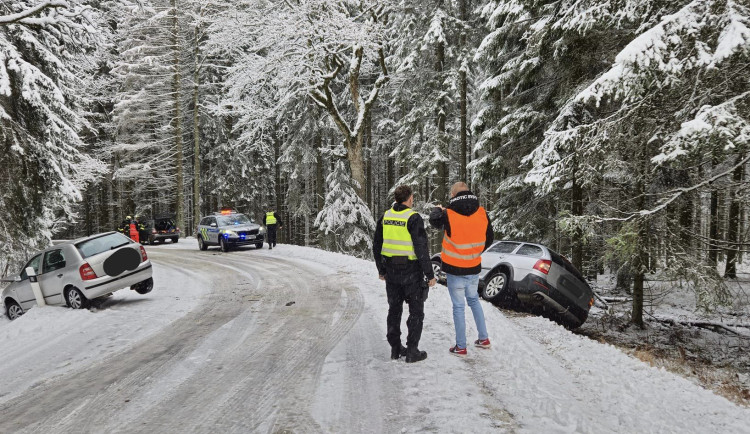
<point x="613" y="131"/>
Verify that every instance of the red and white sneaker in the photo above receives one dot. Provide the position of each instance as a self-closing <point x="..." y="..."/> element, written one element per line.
<point x="482" y="343"/>
<point x="457" y="351"/>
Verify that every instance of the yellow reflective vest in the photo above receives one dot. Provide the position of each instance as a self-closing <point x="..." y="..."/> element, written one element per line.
<point x="396" y="237"/>
<point x="270" y="218"/>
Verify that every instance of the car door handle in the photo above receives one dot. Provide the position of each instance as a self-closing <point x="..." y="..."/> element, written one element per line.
<point x="60" y="275"/>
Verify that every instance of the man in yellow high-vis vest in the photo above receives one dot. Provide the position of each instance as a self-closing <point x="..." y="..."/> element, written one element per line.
<point x="271" y="220"/>
<point x="403" y="259"/>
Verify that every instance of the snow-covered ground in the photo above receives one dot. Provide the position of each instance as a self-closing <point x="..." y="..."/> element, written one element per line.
<point x="537" y="377"/>
<point x="49" y="342"/>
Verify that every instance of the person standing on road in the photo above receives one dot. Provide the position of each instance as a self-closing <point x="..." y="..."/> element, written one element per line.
<point x="271" y="219"/>
<point x="403" y="261"/>
<point x="467" y="233"/>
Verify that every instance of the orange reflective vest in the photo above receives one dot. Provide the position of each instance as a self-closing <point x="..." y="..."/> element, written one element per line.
<point x="134" y="233"/>
<point x="463" y="249"/>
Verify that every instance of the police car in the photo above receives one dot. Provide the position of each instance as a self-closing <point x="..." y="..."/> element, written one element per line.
<point x="229" y="229"/>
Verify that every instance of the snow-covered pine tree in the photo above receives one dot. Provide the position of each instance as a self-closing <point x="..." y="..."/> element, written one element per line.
<point x="148" y="149"/>
<point x="45" y="55"/>
<point x="641" y="121"/>
<point x="345" y="220"/>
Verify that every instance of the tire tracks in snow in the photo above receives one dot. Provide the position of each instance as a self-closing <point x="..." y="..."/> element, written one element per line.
<point x="242" y="361"/>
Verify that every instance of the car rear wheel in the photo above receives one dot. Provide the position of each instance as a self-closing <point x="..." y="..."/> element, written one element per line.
<point x="13" y="310"/>
<point x="496" y="287"/>
<point x="202" y="245"/>
<point x="174" y="240"/>
<point x="144" y="287"/>
<point x="223" y="244"/>
<point x="76" y="299"/>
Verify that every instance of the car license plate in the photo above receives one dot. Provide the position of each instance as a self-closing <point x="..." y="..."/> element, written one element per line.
<point x="251" y="237"/>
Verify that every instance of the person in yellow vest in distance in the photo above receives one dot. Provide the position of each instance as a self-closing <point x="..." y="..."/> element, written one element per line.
<point x="467" y="233"/>
<point x="271" y="220"/>
<point x="403" y="259"/>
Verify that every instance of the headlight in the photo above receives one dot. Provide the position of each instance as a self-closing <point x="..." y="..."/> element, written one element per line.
<point x="230" y="233"/>
<point x="262" y="230"/>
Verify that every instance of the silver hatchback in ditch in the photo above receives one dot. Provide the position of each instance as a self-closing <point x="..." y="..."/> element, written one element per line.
<point x="74" y="272"/>
<point x="534" y="275"/>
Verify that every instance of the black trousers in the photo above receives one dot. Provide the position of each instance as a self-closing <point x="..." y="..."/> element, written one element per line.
<point x="271" y="235"/>
<point x="398" y="294"/>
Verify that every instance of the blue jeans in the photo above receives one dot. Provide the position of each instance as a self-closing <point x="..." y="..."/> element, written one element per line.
<point x="461" y="287"/>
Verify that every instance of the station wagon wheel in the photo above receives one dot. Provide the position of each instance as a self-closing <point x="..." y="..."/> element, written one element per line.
<point x="201" y="244"/>
<point x="76" y="299"/>
<point x="223" y="244"/>
<point x="496" y="287"/>
<point x="13" y="310"/>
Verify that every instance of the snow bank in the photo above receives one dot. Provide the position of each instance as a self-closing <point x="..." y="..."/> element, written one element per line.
<point x="537" y="377"/>
<point x="48" y="342"/>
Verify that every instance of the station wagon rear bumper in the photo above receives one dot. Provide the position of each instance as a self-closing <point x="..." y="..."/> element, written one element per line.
<point x="534" y="290"/>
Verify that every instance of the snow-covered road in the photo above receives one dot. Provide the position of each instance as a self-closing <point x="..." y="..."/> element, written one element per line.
<point x="218" y="346"/>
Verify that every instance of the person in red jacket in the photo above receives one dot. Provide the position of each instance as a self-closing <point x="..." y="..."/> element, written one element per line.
<point x="467" y="233"/>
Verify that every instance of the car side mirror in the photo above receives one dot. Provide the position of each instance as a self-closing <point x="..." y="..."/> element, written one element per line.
<point x="213" y="225"/>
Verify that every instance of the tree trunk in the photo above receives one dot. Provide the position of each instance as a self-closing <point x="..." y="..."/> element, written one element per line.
<point x="177" y="121"/>
<point x="577" y="210"/>
<point x="441" y="192"/>
<point x="463" y="85"/>
<point x="196" y="136"/>
<point x="368" y="137"/>
<point x="733" y="230"/>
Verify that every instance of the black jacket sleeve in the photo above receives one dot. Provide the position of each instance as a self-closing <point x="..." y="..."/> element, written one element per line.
<point x="490" y="233"/>
<point x="377" y="245"/>
<point x="439" y="220"/>
<point x="278" y="219"/>
<point x="415" y="226"/>
<point x="264" y="219"/>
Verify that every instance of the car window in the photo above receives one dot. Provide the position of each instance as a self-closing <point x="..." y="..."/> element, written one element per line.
<point x="504" y="247"/>
<point x="211" y="220"/>
<point x="101" y="244"/>
<point x="53" y="260"/>
<point x="34" y="263"/>
<point x="205" y="221"/>
<point x="530" y="250"/>
<point x="233" y="219"/>
<point x="563" y="262"/>
<point x="164" y="224"/>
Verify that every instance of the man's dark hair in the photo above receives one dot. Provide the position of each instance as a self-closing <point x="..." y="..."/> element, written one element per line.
<point x="402" y="193"/>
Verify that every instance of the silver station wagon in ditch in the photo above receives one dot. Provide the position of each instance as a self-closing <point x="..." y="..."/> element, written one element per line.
<point x="74" y="272"/>
<point x="534" y="275"/>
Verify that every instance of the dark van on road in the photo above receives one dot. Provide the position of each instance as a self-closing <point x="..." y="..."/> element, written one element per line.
<point x="160" y="229"/>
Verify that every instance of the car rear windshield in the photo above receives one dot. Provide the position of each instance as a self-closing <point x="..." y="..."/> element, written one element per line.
<point x="563" y="262"/>
<point x="101" y="244"/>
<point x="234" y="219"/>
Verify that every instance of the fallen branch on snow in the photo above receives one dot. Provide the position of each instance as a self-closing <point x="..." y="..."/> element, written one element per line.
<point x="707" y="325"/>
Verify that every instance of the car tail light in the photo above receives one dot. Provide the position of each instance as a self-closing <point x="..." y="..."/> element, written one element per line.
<point x="543" y="265"/>
<point x="144" y="256"/>
<point x="177" y="229"/>
<point x="153" y="231"/>
<point x="87" y="273"/>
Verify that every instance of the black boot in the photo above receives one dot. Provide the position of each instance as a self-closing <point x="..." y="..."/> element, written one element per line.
<point x="414" y="355"/>
<point x="397" y="352"/>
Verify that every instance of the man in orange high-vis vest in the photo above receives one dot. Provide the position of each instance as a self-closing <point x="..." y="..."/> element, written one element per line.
<point x="467" y="233"/>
